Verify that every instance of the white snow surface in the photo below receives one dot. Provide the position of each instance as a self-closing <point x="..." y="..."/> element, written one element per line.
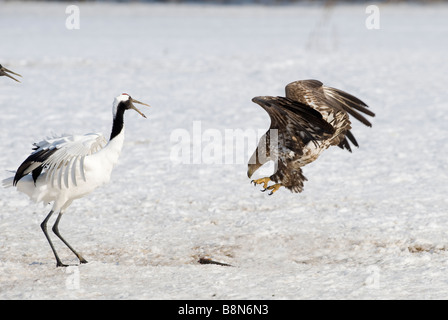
<point x="369" y="225"/>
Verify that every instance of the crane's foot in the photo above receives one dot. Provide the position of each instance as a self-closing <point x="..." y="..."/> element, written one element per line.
<point x="63" y="265"/>
<point x="60" y="264"/>
<point x="263" y="181"/>
<point x="273" y="188"/>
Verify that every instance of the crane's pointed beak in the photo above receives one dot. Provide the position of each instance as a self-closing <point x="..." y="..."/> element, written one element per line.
<point x="135" y="108"/>
<point x="5" y="72"/>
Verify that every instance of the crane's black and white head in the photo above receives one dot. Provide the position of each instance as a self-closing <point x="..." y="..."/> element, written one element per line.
<point x="125" y="102"/>
<point x="122" y="103"/>
<point x="6" y="72"/>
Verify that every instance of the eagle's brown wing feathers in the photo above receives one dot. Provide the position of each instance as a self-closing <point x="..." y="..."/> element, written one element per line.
<point x="320" y="97"/>
<point x="294" y="120"/>
<point x="326" y="100"/>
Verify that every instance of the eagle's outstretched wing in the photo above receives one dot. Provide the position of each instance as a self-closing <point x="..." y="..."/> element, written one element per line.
<point x="62" y="158"/>
<point x="318" y="96"/>
<point x="327" y="100"/>
<point x="297" y="123"/>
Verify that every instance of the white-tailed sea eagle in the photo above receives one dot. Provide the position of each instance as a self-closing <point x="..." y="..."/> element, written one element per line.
<point x="311" y="118"/>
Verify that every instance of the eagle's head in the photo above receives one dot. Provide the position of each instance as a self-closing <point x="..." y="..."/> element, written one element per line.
<point x="264" y="101"/>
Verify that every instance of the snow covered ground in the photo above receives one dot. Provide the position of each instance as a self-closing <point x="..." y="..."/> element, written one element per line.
<point x="369" y="225"/>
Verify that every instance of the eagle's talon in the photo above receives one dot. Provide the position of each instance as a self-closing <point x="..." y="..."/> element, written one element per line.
<point x="263" y="181"/>
<point x="274" y="188"/>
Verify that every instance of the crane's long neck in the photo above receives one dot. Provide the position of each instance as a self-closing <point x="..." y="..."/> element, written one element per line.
<point x="118" y="123"/>
<point x="116" y="140"/>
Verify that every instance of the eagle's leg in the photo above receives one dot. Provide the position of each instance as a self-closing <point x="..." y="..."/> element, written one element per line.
<point x="263" y="181"/>
<point x="273" y="188"/>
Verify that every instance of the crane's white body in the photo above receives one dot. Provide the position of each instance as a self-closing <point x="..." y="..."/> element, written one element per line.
<point x="79" y="166"/>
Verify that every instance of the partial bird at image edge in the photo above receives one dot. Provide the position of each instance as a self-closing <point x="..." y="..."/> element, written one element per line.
<point x="7" y="73"/>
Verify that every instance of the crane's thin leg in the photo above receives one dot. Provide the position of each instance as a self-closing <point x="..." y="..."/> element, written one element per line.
<point x="56" y="231"/>
<point x="44" y="229"/>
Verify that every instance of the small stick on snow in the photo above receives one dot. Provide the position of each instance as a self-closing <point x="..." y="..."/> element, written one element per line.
<point x="210" y="261"/>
